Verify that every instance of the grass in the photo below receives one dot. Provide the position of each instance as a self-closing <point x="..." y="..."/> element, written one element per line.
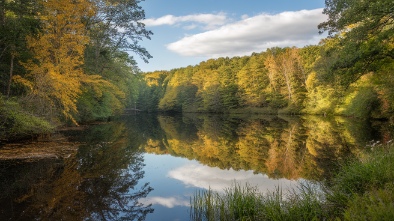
<point x="236" y="203"/>
<point x="246" y="203"/>
<point x="362" y="190"/>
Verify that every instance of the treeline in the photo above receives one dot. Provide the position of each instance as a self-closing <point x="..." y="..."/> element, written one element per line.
<point x="350" y="73"/>
<point x="65" y="62"/>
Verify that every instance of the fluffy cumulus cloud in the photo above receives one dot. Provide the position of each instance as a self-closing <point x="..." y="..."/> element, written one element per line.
<point x="253" y="34"/>
<point x="208" y="21"/>
<point x="197" y="175"/>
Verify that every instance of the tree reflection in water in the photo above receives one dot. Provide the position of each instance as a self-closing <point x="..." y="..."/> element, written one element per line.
<point x="99" y="182"/>
<point x="308" y="147"/>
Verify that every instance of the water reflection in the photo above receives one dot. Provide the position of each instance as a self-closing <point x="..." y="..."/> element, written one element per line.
<point x="98" y="182"/>
<point x="112" y="172"/>
<point x="281" y="147"/>
<point x="213" y="178"/>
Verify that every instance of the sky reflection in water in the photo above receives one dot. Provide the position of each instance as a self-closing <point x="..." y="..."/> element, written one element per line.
<point x="176" y="179"/>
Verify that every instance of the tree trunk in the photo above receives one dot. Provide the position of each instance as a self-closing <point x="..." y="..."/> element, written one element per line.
<point x="286" y="74"/>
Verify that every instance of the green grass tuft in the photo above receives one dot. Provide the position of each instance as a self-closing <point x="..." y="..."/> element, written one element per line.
<point x="246" y="203"/>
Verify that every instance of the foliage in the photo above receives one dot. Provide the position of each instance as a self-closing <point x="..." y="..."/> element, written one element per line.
<point x="252" y="80"/>
<point x="360" y="100"/>
<point x="116" y="26"/>
<point x="286" y="74"/>
<point x="321" y="99"/>
<point x="16" y="123"/>
<point x="54" y="74"/>
<point x="65" y="61"/>
<point x="385" y="90"/>
<point x="367" y="36"/>
<point x="348" y="73"/>
<point x="17" y="21"/>
<point x="99" y="100"/>
<point x="226" y="84"/>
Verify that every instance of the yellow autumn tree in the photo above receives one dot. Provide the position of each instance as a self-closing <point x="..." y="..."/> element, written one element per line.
<point x="55" y="75"/>
<point x="286" y="73"/>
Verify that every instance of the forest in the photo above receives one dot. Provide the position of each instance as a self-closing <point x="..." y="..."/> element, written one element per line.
<point x="349" y="73"/>
<point x="69" y="62"/>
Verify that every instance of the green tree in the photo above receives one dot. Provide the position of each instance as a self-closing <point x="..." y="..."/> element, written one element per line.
<point x="17" y="20"/>
<point x="151" y="89"/>
<point x="366" y="42"/>
<point x="361" y="43"/>
<point x="117" y="26"/>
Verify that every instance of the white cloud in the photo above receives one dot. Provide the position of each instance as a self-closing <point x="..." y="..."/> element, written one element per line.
<point x="244" y="17"/>
<point x="165" y="20"/>
<point x="197" y="175"/>
<point x="254" y="34"/>
<point x="168" y="202"/>
<point x="209" y="21"/>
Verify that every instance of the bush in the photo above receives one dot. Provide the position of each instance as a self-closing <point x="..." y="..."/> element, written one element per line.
<point x="359" y="100"/>
<point x="16" y="123"/>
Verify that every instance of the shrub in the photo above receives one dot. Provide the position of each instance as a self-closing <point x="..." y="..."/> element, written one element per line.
<point x="16" y="123"/>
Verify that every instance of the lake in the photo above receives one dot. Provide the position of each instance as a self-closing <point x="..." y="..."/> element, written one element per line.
<point x="147" y="167"/>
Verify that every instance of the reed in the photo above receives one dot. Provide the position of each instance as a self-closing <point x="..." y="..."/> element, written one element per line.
<point x="247" y="203"/>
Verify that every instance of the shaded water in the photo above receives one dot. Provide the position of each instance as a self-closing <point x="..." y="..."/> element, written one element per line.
<point x="146" y="167"/>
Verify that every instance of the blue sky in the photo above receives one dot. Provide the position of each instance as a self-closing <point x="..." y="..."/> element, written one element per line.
<point x="187" y="32"/>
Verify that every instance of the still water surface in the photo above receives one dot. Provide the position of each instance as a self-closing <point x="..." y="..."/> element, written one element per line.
<point x="146" y="167"/>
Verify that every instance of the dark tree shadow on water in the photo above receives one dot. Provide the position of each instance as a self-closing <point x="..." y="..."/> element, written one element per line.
<point x="100" y="181"/>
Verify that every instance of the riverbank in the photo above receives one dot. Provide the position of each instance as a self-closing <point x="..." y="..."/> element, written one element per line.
<point x="361" y="190"/>
<point x="54" y="147"/>
<point x="17" y="124"/>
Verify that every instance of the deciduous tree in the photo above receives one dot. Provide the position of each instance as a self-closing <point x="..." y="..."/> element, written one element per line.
<point x="366" y="43"/>
<point x="55" y="73"/>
